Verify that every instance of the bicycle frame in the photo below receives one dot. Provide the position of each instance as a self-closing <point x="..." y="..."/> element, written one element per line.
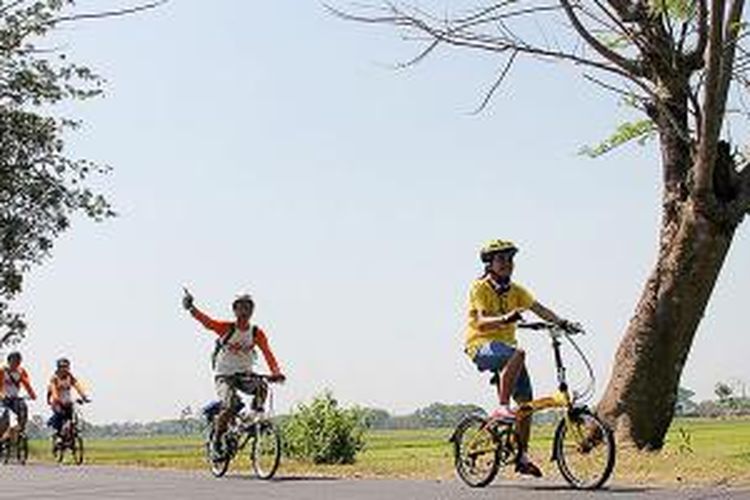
<point x="561" y="399"/>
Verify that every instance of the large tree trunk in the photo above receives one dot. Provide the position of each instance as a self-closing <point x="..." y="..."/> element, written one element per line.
<point x="696" y="234"/>
<point x="641" y="395"/>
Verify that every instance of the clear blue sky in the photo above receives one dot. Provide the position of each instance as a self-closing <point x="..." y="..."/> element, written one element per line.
<point x="268" y="147"/>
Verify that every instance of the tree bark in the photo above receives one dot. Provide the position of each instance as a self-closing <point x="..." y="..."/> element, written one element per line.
<point x="640" y="398"/>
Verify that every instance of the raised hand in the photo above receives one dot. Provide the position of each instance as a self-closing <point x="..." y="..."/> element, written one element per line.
<point x="187" y="299"/>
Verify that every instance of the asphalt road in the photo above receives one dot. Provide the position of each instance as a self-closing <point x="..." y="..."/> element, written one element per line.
<point x="43" y="482"/>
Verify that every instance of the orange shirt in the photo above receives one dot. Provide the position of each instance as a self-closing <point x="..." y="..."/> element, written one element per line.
<point x="12" y="380"/>
<point x="60" y="389"/>
<point x="222" y="328"/>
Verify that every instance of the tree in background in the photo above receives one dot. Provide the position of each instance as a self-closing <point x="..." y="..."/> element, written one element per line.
<point x="41" y="185"/>
<point x="685" y="404"/>
<point x="683" y="66"/>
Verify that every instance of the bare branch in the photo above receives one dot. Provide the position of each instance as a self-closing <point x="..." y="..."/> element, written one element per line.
<point x="630" y="67"/>
<point x="695" y="59"/>
<point x="109" y="13"/>
<point x="711" y="103"/>
<point x="638" y="100"/>
<point x="497" y="83"/>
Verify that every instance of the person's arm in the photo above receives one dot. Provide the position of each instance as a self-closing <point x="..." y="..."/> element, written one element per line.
<point x="545" y="313"/>
<point x="52" y="395"/>
<point x="79" y="389"/>
<point x="26" y="382"/>
<point x="262" y="341"/>
<point x="219" y="327"/>
<point x="487" y="322"/>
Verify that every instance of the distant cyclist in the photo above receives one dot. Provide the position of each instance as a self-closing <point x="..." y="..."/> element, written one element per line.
<point x="13" y="377"/>
<point x="495" y="305"/>
<point x="234" y="359"/>
<point x="60" y="395"/>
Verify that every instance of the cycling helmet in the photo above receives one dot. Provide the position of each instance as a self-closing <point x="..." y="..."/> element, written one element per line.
<point x="14" y="356"/>
<point x="63" y="362"/>
<point x="243" y="297"/>
<point x="493" y="247"/>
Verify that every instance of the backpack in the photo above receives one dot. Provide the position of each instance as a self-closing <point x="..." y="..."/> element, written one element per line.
<point x="221" y="342"/>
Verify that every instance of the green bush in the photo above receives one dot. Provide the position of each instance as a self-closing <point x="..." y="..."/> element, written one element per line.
<point x="324" y="433"/>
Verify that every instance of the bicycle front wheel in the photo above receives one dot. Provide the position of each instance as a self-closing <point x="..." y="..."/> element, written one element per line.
<point x="22" y="450"/>
<point x="584" y="449"/>
<point x="5" y="451"/>
<point x="476" y="451"/>
<point x="58" y="449"/>
<point x="266" y="450"/>
<point x="217" y="464"/>
<point x="77" y="450"/>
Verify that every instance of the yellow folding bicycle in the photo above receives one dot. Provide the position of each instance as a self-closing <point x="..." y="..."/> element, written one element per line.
<point x="583" y="445"/>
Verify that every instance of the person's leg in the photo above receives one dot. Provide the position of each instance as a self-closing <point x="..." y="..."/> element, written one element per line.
<point x="23" y="415"/>
<point x="523" y="394"/>
<point x="4" y="421"/>
<point x="256" y="387"/>
<point x="225" y="390"/>
<point x="503" y="360"/>
<point x="509" y="375"/>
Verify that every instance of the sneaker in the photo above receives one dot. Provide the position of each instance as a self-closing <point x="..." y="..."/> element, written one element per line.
<point x="528" y="469"/>
<point x="503" y="413"/>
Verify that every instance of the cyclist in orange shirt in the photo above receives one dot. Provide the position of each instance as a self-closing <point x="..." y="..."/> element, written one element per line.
<point x="60" y="395"/>
<point x="12" y="378"/>
<point x="234" y="358"/>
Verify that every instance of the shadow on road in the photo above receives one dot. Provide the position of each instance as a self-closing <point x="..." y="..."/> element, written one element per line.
<point x="282" y="478"/>
<point x="613" y="490"/>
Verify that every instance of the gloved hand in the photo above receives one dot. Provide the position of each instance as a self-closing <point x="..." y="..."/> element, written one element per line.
<point x="187" y="300"/>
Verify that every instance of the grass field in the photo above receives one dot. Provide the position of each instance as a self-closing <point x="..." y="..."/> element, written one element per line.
<point x="697" y="452"/>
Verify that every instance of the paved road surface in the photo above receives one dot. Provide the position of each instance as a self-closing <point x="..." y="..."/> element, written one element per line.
<point x="48" y="482"/>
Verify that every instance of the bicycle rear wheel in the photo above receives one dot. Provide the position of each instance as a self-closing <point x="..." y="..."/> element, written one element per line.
<point x="476" y="451"/>
<point x="584" y="449"/>
<point x="266" y="450"/>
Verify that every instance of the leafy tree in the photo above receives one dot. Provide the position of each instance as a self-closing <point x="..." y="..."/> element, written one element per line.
<point x="443" y="415"/>
<point x="675" y="62"/>
<point x="724" y="392"/>
<point x="685" y="404"/>
<point x="41" y="186"/>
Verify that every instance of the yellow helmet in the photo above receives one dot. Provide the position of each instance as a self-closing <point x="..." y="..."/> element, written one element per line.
<point x="496" y="246"/>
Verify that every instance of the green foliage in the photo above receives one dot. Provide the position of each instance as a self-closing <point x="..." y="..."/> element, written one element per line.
<point x="684" y="405"/>
<point x="682" y="10"/>
<point x="324" y="433"/>
<point x="723" y="391"/>
<point x="40" y="186"/>
<point x="641" y="131"/>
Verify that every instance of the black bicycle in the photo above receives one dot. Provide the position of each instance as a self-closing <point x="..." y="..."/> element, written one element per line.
<point x="245" y="426"/>
<point x="69" y="438"/>
<point x="15" y="443"/>
<point x="583" y="445"/>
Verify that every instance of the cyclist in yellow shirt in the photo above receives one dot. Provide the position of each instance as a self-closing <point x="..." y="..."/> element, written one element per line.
<point x="495" y="305"/>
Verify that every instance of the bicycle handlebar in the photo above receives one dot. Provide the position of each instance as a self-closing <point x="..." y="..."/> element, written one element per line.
<point x="569" y="328"/>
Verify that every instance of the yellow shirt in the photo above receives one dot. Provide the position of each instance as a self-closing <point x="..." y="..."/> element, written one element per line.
<point x="484" y="299"/>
